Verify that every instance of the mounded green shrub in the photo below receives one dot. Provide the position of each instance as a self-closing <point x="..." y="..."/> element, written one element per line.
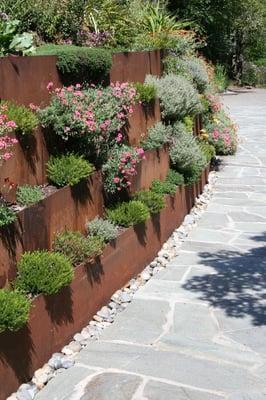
<point x="102" y="228"/>
<point x="68" y="169"/>
<point x="193" y="68"/>
<point x="177" y="95"/>
<point x="175" y="178"/>
<point x="7" y="215"/>
<point x="28" y="195"/>
<point x="146" y="93"/>
<point x="76" y="247"/>
<point x="163" y="187"/>
<point x="25" y="119"/>
<point x="128" y="214"/>
<point x="208" y="150"/>
<point x="43" y="272"/>
<point x="158" y="135"/>
<point x="15" y="309"/>
<point x="76" y="63"/>
<point x="154" y="201"/>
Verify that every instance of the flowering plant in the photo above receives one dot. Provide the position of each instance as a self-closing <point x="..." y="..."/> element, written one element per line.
<point x="92" y="39"/>
<point x="222" y="134"/>
<point x="120" y="167"/>
<point x="6" y="142"/>
<point x="215" y="105"/>
<point x="95" y="115"/>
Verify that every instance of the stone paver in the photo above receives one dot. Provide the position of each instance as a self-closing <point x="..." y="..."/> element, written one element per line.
<point x="197" y="331"/>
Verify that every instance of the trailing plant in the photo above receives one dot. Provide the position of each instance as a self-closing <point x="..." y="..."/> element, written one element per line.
<point x="222" y="133"/>
<point x="102" y="228"/>
<point x="68" y="169"/>
<point x="7" y="215"/>
<point x="146" y="93"/>
<point x="128" y="214"/>
<point x="177" y="95"/>
<point x="154" y="201"/>
<point x="43" y="272"/>
<point x="93" y="116"/>
<point x="163" y="187"/>
<point x="80" y="63"/>
<point x="193" y="68"/>
<point x="11" y="41"/>
<point x="15" y="309"/>
<point x="76" y="247"/>
<point x="120" y="167"/>
<point x="7" y="127"/>
<point x="25" y="119"/>
<point x="157" y="136"/>
<point x="28" y="195"/>
<point x="175" y="178"/>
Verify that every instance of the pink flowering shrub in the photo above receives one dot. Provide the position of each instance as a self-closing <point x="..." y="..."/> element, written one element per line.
<point x="215" y="105"/>
<point x="6" y="142"/>
<point x="222" y="134"/>
<point x="120" y="167"/>
<point x="94" y="115"/>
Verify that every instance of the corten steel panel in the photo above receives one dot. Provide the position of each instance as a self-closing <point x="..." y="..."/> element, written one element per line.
<point x="143" y="118"/>
<point x="67" y="208"/>
<point x="24" y="79"/>
<point x="154" y="166"/>
<point x="134" y="66"/>
<point x="28" y="165"/>
<point x="55" y="319"/>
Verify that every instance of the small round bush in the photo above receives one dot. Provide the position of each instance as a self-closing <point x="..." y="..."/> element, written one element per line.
<point x="15" y="309"/>
<point x="128" y="214"/>
<point x="158" y="135"/>
<point x="163" y="187"/>
<point x="43" y="272"/>
<point x="28" y="195"/>
<point x="102" y="228"/>
<point x="146" y="93"/>
<point x="24" y="118"/>
<point x="154" y="201"/>
<point x="7" y="215"/>
<point x="175" y="178"/>
<point x="76" y="247"/>
<point x="178" y="96"/>
<point x="68" y="169"/>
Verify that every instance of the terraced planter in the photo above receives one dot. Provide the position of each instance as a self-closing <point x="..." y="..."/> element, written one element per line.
<point x="55" y="319"/>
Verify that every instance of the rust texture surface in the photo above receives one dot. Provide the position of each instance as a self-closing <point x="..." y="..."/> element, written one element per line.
<point x="24" y="79"/>
<point x="144" y="117"/>
<point x="134" y="66"/>
<point x="55" y="319"/>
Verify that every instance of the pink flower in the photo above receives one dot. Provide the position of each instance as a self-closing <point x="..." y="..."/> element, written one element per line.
<point x="119" y="137"/>
<point x="6" y="156"/>
<point x="215" y="134"/>
<point x="116" y="180"/>
<point x="11" y="124"/>
<point x="50" y="86"/>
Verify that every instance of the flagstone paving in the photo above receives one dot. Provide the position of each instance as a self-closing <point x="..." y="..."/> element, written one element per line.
<point x="196" y="331"/>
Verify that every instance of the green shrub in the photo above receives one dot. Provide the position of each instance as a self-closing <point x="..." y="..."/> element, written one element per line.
<point x="154" y="201"/>
<point x="43" y="272"/>
<point x="208" y="150"/>
<point x="158" y="135"/>
<point x="28" y="195"/>
<point x="128" y="214"/>
<point x="24" y="118"/>
<point x="192" y="68"/>
<point x="177" y="95"/>
<point x="7" y="215"/>
<point x="186" y="155"/>
<point x="68" y="169"/>
<point x="221" y="80"/>
<point x="146" y="93"/>
<point x="102" y="228"/>
<point x="80" y="63"/>
<point x="15" y="309"/>
<point x="76" y="247"/>
<point x="163" y="187"/>
<point x="175" y="178"/>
